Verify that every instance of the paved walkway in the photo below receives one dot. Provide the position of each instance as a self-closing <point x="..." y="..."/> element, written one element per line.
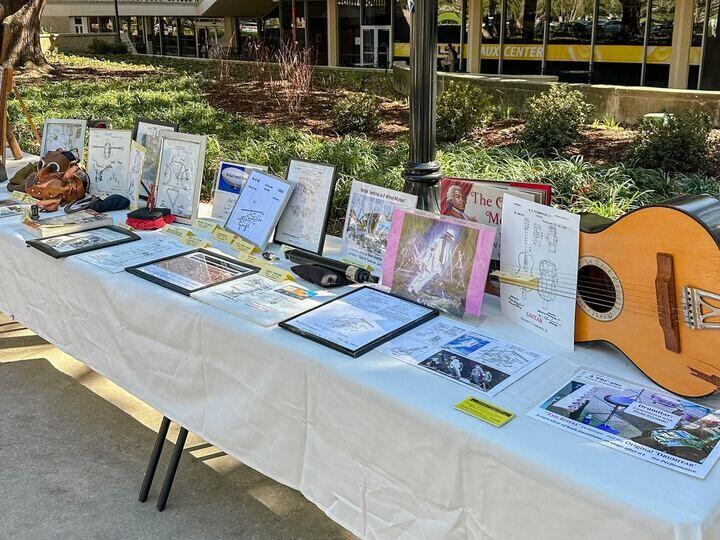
<point x="73" y="452"/>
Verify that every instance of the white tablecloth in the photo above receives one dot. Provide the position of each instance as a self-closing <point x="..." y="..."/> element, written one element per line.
<point x="374" y="442"/>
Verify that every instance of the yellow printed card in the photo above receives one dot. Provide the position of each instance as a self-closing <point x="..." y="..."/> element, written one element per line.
<point x="195" y="242"/>
<point x="242" y="246"/>
<point x="206" y="226"/>
<point x="487" y="412"/>
<point x="276" y="274"/>
<point x="179" y="232"/>
<point x="223" y="236"/>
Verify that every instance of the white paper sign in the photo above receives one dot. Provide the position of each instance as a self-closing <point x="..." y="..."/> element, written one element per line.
<point x="542" y="242"/>
<point x="462" y="354"/>
<point x="116" y="259"/>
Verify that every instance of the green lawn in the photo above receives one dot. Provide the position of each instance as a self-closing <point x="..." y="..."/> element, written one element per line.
<point x="176" y="91"/>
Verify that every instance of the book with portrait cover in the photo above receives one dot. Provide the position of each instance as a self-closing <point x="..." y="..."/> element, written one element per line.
<point x="438" y="261"/>
<point x="481" y="201"/>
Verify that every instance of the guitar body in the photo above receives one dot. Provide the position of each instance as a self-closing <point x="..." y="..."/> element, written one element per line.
<point x="649" y="283"/>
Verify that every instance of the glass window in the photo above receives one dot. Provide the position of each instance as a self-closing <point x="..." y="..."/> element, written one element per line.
<point x="491" y="22"/>
<point x="571" y="21"/>
<point x="187" y="38"/>
<point x="317" y="30"/>
<point x="525" y="20"/>
<point x="349" y="37"/>
<point x="621" y="22"/>
<point x="78" y="25"/>
<point x="663" y="16"/>
<point x="376" y="12"/>
<point x="94" y="25"/>
<point x="107" y="24"/>
<point x="169" y="36"/>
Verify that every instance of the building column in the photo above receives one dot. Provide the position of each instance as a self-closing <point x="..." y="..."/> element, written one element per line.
<point x="333" y="24"/>
<point x="474" y="35"/>
<point x="681" y="42"/>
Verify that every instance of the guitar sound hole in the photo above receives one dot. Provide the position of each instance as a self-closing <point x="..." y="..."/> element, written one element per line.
<point x="596" y="288"/>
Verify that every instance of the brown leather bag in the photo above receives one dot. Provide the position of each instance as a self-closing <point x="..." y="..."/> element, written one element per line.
<point x="58" y="182"/>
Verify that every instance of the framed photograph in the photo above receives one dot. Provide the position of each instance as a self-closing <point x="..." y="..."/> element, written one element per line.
<point x="360" y="320"/>
<point x="78" y="242"/>
<point x="231" y="179"/>
<point x="64" y="134"/>
<point x="192" y="271"/>
<point x="146" y="134"/>
<point x="258" y="208"/>
<point x="303" y="223"/>
<point x="137" y="164"/>
<point x="179" y="174"/>
<point x="108" y="161"/>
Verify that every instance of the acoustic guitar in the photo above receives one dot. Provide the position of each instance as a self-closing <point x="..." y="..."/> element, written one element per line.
<point x="649" y="284"/>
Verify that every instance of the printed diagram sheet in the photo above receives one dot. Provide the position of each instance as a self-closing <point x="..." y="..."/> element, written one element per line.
<point x="116" y="259"/>
<point x="83" y="239"/>
<point x="541" y="242"/>
<point x="464" y="355"/>
<point x="262" y="300"/>
<point x="108" y="161"/>
<point x="648" y="424"/>
<point x="177" y="175"/>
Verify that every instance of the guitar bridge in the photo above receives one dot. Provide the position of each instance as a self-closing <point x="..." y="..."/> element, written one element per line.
<point x="701" y="309"/>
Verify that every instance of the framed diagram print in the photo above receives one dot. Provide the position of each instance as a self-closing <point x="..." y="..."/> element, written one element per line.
<point x="78" y="242"/>
<point x="108" y="161"/>
<point x="192" y="271"/>
<point x="360" y="320"/>
<point x="179" y="174"/>
<point x="146" y="134"/>
<point x="64" y="134"/>
<point x="303" y="223"/>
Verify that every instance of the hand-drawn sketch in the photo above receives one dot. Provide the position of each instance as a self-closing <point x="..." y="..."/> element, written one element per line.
<point x="66" y="134"/>
<point x="537" y="234"/>
<point x="179" y="176"/>
<point x="303" y="222"/>
<point x="552" y="238"/>
<point x="108" y="161"/>
<point x="137" y="160"/>
<point x="258" y="207"/>
<point x="547" y="281"/>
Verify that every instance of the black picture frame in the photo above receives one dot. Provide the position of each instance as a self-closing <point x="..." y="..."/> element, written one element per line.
<point x="328" y="207"/>
<point x="431" y="314"/>
<point x="137" y="271"/>
<point x="43" y="245"/>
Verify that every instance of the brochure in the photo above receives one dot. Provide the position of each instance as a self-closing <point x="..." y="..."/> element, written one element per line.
<point x="462" y="354"/>
<point x="543" y="243"/>
<point x="367" y="222"/>
<point x="262" y="300"/>
<point x="359" y="321"/>
<point x="230" y="181"/>
<point x="654" y="426"/>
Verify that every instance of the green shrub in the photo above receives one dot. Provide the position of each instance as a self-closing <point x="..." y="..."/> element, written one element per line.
<point x="679" y="143"/>
<point x="461" y="108"/>
<point x="356" y="113"/>
<point x="100" y="46"/>
<point x="554" y="118"/>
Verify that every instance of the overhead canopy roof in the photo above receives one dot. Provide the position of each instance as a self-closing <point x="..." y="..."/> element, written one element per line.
<point x="236" y="8"/>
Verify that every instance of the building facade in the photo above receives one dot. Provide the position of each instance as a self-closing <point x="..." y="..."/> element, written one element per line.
<point x="663" y="43"/>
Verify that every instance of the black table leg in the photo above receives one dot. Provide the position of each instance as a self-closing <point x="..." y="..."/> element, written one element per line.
<point x="154" y="459"/>
<point x="172" y="469"/>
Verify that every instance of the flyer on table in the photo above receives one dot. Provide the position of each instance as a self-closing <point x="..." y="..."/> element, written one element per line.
<point x="654" y="426"/>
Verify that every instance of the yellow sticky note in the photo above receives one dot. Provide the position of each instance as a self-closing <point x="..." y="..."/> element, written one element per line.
<point x="276" y="274"/>
<point x="180" y="232"/>
<point x="242" y="246"/>
<point x="487" y="412"/>
<point x="206" y="226"/>
<point x="195" y="242"/>
<point x="223" y="236"/>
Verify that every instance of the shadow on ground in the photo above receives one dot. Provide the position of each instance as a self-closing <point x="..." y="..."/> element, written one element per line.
<point x="72" y="463"/>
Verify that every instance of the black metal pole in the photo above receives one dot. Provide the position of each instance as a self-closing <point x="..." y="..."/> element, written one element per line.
<point x="154" y="459"/>
<point x="172" y="469"/>
<point x="422" y="172"/>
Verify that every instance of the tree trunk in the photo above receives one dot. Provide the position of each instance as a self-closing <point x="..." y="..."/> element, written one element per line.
<point x="22" y="33"/>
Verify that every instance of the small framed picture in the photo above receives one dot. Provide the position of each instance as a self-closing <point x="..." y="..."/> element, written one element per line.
<point x="75" y="243"/>
<point x="303" y="223"/>
<point x="64" y="134"/>
<point x="230" y="181"/>
<point x="179" y="174"/>
<point x="192" y="271"/>
<point x="258" y="207"/>
<point x="146" y="134"/>
<point x="360" y="320"/>
<point x="108" y="161"/>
